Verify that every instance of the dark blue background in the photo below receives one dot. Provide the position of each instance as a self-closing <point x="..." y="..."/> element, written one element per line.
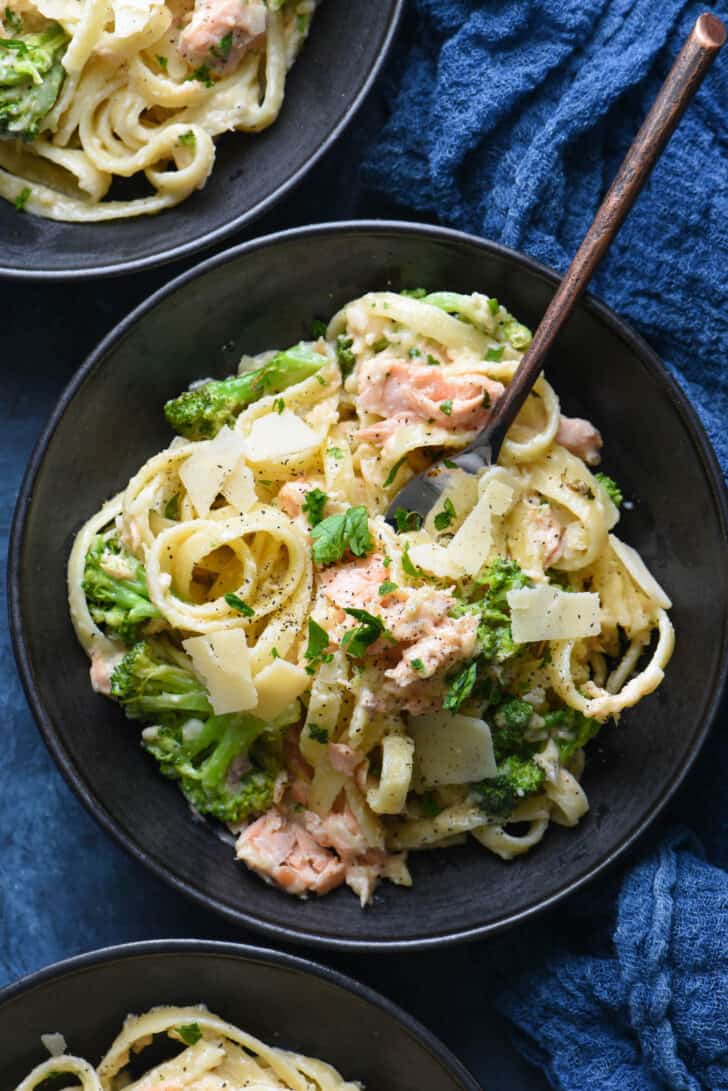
<point x="65" y="887"/>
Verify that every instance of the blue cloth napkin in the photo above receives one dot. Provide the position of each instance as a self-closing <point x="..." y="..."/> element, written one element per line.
<point x="509" y="119"/>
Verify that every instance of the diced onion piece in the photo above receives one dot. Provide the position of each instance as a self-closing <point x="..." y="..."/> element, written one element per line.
<point x="54" y="1043"/>
<point x="206" y="470"/>
<point x="639" y="572"/>
<point x="223" y="662"/>
<point x="239" y="487"/>
<point x="451" y="749"/>
<point x="471" y="545"/>
<point x="548" y="613"/>
<point x="278" y="685"/>
<point x="277" y="435"/>
<point x="437" y="560"/>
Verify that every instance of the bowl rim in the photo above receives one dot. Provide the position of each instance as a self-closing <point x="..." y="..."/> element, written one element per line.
<point x="204" y="242"/>
<point x="246" y="953"/>
<point x="95" y="805"/>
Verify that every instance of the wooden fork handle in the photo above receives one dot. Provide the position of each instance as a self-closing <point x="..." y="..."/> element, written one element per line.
<point x="686" y="75"/>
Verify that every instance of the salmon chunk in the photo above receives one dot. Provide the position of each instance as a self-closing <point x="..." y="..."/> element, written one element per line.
<point x="222" y="31"/>
<point x="283" y="852"/>
<point x="406" y="392"/>
<point x="581" y="438"/>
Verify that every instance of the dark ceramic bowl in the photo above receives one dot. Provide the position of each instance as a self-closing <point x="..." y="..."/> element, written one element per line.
<point x="285" y="1001"/>
<point x="252" y="170"/>
<point x="265" y="294"/>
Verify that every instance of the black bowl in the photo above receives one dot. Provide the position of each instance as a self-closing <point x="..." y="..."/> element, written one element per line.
<point x="285" y="1001"/>
<point x="252" y="170"/>
<point x="265" y="294"/>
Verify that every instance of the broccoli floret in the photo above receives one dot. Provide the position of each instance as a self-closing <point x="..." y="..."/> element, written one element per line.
<point x="509" y="727"/>
<point x="611" y="488"/>
<point x="203" y="756"/>
<point x="115" y="586"/>
<point x="31" y="75"/>
<point x="519" y="335"/>
<point x="571" y="730"/>
<point x="515" y="779"/>
<point x="494" y="628"/>
<point x="201" y="413"/>
<point x="154" y="683"/>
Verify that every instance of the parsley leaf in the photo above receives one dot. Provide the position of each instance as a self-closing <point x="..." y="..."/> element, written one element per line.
<point x="202" y="75"/>
<point x="410" y="568"/>
<point x="433" y="361"/>
<point x="335" y="452"/>
<point x="190" y="1033"/>
<point x="22" y="199"/>
<point x="163" y="62"/>
<point x="444" y="518"/>
<point x="320" y="734"/>
<point x="417" y="664"/>
<point x="461" y="686"/>
<point x="380" y="345"/>
<point x="344" y="354"/>
<point x="333" y="536"/>
<point x="356" y="641"/>
<point x="171" y="508"/>
<point x="393" y="472"/>
<point x="12" y="20"/>
<point x="495" y="354"/>
<point x="387" y="588"/>
<point x="318" y="642"/>
<point x="493" y="305"/>
<point x="223" y="47"/>
<point x="406" y="520"/>
<point x="446" y="407"/>
<point x="188" y="139"/>
<point x="318" y="328"/>
<point x="279" y="405"/>
<point x="236" y="603"/>
<point x="314" y="505"/>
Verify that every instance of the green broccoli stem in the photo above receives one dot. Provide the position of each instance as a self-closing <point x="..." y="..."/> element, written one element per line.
<point x="238" y="732"/>
<point x="31" y="76"/>
<point x="201" y="413"/>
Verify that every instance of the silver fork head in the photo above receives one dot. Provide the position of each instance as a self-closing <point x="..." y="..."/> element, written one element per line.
<point x="421" y="493"/>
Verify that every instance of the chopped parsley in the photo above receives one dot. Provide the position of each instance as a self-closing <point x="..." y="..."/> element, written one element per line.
<point x="493" y="305"/>
<point x="433" y="361"/>
<point x="236" y="603"/>
<point x="318" y="642"/>
<point x="414" y="293"/>
<point x="387" y="588"/>
<point x="444" y="518"/>
<point x="334" y="452"/>
<point x="188" y="139"/>
<point x="356" y="641"/>
<point x="279" y="405"/>
<point x="495" y="354"/>
<point x="389" y="480"/>
<point x="163" y="62"/>
<point x="410" y="567"/>
<point x="380" y="345"/>
<point x="450" y="464"/>
<point x="171" y="508"/>
<point x="12" y="20"/>
<point x="223" y="47"/>
<point x="318" y="328"/>
<point x="190" y="1033"/>
<point x="314" y="505"/>
<point x="302" y="23"/>
<point x="332" y="537"/>
<point x="414" y="352"/>
<point x="446" y="407"/>
<point x="274" y="653"/>
<point x="320" y="734"/>
<point x="344" y="354"/>
<point x="461" y="686"/>
<point x="202" y="75"/>
<point x="417" y="664"/>
<point x="386" y="561"/>
<point x="22" y="199"/>
<point x="406" y="520"/>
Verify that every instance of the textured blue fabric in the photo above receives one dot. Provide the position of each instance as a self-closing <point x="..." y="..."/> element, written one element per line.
<point x="509" y="119"/>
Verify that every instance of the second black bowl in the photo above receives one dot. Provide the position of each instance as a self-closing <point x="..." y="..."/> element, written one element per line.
<point x="263" y="295"/>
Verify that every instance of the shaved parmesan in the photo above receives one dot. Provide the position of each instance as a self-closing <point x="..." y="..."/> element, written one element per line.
<point x="278" y="685"/>
<point x="205" y="473"/>
<point x="451" y="749"/>
<point x="55" y="1044"/>
<point x="437" y="560"/>
<point x="239" y="487"/>
<point x="278" y="435"/>
<point x="223" y="662"/>
<point x="548" y="613"/>
<point x="639" y="572"/>
<point x="471" y="545"/>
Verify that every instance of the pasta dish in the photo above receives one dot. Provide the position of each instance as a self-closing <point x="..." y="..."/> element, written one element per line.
<point x="339" y="690"/>
<point x="213" y="1056"/>
<point x="93" y="92"/>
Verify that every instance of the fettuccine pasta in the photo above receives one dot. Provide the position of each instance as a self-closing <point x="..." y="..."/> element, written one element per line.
<point x="214" y="1056"/>
<point x="96" y="91"/>
<point x="339" y="690"/>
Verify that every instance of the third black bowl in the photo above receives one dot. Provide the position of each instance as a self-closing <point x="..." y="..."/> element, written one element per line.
<point x="265" y="294"/>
